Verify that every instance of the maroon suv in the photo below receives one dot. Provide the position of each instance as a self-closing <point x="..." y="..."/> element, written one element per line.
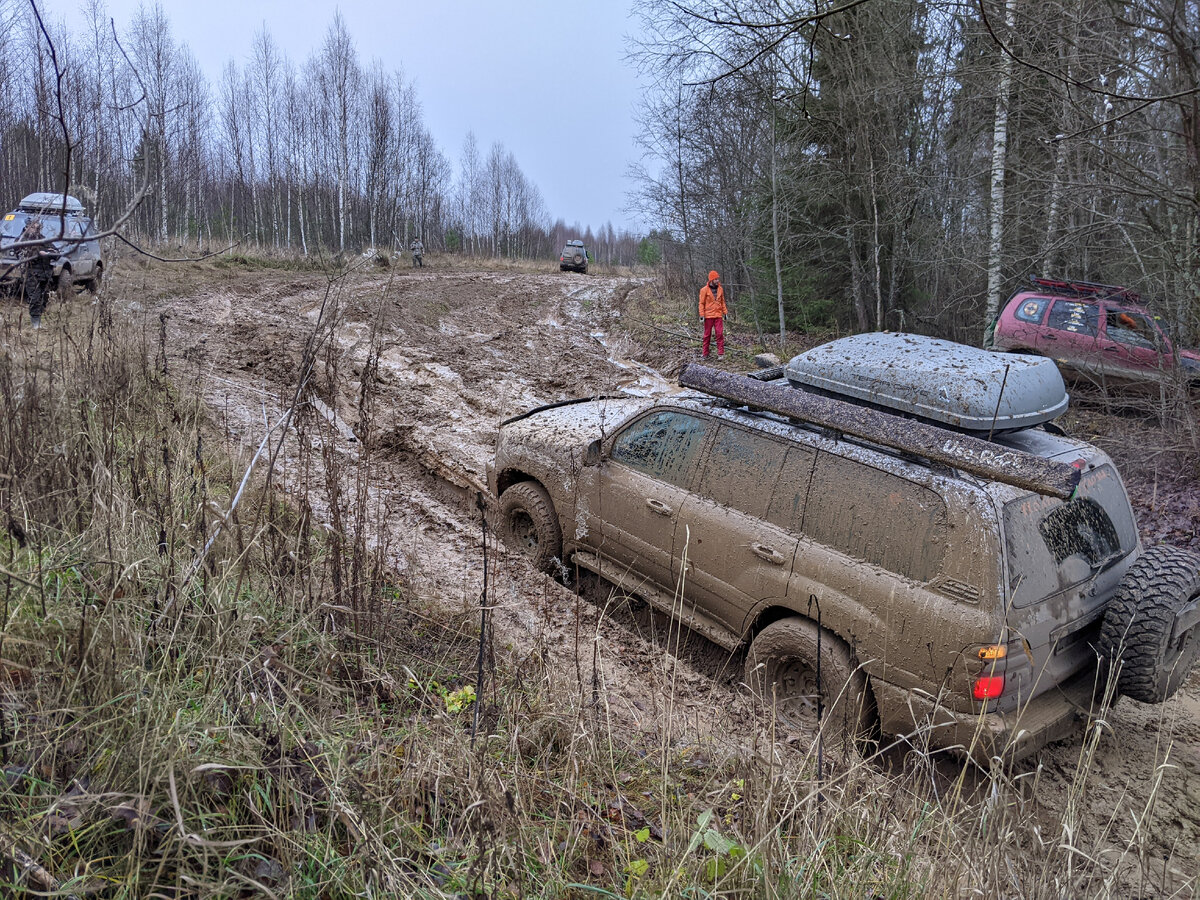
<point x="1099" y="331"/>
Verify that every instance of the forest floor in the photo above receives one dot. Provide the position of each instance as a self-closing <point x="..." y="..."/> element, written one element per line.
<point x="458" y="351"/>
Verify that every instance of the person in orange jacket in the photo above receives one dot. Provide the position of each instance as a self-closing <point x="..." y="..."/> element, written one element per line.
<point x="712" y="312"/>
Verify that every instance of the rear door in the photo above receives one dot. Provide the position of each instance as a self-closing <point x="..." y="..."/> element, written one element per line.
<point x="733" y="529"/>
<point x="643" y="489"/>
<point x="1072" y="335"/>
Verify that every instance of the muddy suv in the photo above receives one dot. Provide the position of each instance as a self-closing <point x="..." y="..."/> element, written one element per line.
<point x="574" y="257"/>
<point x="896" y="513"/>
<point x="1100" y="332"/>
<point x="75" y="261"/>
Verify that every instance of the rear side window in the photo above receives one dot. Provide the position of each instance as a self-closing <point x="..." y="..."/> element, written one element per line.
<point x="1075" y="317"/>
<point x="1032" y="310"/>
<point x="663" y="445"/>
<point x="1042" y="533"/>
<point x="876" y="516"/>
<point x="741" y="470"/>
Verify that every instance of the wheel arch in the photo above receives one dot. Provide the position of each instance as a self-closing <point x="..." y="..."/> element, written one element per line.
<point x="508" y="477"/>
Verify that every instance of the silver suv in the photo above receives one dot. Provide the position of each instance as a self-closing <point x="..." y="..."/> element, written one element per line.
<point x="76" y="260"/>
<point x="574" y="257"/>
<point x="892" y="525"/>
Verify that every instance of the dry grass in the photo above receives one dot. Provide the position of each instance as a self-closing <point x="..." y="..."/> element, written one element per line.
<point x="291" y="720"/>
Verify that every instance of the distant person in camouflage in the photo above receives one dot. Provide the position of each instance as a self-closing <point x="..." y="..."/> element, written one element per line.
<point x="418" y="249"/>
<point x="38" y="273"/>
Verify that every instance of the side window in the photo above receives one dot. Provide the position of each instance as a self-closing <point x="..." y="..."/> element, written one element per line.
<point x="875" y="516"/>
<point x="791" y="491"/>
<point x="1133" y="329"/>
<point x="663" y="445"/>
<point x="741" y="470"/>
<point x="1075" y="317"/>
<point x="1032" y="310"/>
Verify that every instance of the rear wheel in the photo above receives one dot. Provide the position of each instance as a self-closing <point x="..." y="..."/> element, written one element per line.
<point x="93" y="284"/>
<point x="529" y="524"/>
<point x="782" y="669"/>
<point x="1138" y="638"/>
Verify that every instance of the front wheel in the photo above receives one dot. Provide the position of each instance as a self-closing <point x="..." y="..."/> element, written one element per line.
<point x="782" y="669"/>
<point x="529" y="524"/>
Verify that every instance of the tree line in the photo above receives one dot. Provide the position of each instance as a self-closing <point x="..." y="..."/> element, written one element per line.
<point x="906" y="163"/>
<point x="329" y="155"/>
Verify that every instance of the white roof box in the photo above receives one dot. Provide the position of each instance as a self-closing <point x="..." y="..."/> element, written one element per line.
<point x="941" y="381"/>
<point x="47" y="203"/>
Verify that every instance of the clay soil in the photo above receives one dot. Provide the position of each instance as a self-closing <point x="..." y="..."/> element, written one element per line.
<point x="460" y="351"/>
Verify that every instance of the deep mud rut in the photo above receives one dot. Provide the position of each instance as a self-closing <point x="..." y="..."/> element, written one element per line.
<point x="462" y="350"/>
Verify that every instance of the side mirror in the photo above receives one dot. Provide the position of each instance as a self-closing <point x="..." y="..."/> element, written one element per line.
<point x="591" y="456"/>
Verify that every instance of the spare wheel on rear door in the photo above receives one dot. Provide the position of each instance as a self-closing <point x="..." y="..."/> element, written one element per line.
<point x="1150" y="634"/>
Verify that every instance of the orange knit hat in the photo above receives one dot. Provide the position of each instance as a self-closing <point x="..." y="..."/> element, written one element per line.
<point x="714" y="276"/>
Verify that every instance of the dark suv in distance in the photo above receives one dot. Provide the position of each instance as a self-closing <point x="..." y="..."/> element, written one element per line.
<point x="574" y="257"/>
<point x="76" y="261"/>
<point x="1100" y="332"/>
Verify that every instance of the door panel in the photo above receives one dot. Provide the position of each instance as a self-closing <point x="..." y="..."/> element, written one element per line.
<point x="635" y="503"/>
<point x="735" y="557"/>
<point x="1132" y="342"/>
<point x="1073" y="335"/>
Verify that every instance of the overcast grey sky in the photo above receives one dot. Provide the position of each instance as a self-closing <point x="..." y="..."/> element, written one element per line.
<point x="547" y="79"/>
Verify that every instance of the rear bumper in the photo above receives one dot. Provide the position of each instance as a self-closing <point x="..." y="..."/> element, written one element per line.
<point x="1053" y="715"/>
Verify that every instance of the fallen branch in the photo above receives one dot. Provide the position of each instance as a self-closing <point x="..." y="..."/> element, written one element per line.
<point x="29" y="869"/>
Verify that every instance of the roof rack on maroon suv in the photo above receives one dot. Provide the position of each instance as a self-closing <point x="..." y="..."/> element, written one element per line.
<point x="1086" y="289"/>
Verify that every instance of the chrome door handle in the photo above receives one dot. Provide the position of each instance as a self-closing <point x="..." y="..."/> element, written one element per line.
<point x="658" y="506"/>
<point x="768" y="554"/>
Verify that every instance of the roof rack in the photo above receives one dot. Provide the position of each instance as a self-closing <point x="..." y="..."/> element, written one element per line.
<point x="967" y="454"/>
<point x="1086" y="289"/>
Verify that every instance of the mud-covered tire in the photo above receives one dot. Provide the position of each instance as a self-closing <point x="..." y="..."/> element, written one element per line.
<point x="65" y="286"/>
<point x="93" y="283"/>
<point x="1135" y="638"/>
<point x="529" y="524"/>
<point x="781" y="669"/>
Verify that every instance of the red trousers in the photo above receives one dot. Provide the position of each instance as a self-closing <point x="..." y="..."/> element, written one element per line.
<point x="715" y="323"/>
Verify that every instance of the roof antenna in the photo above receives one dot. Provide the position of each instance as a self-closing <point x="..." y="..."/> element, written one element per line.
<point x="1000" y="397"/>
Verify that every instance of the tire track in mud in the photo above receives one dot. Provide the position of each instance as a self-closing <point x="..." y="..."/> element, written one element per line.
<point x="460" y="351"/>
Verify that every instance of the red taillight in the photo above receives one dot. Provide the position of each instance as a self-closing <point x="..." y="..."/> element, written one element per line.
<point x="989" y="687"/>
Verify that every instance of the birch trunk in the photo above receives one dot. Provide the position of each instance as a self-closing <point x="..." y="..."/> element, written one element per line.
<point x="999" y="161"/>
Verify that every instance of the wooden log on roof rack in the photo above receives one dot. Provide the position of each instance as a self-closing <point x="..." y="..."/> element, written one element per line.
<point x="940" y="445"/>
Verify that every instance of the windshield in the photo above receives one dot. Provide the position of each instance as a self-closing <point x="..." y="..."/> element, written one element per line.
<point x="14" y="223"/>
<point x="1095" y="528"/>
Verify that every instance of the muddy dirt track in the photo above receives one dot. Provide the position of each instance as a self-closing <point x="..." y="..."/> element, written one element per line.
<point x="460" y="351"/>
